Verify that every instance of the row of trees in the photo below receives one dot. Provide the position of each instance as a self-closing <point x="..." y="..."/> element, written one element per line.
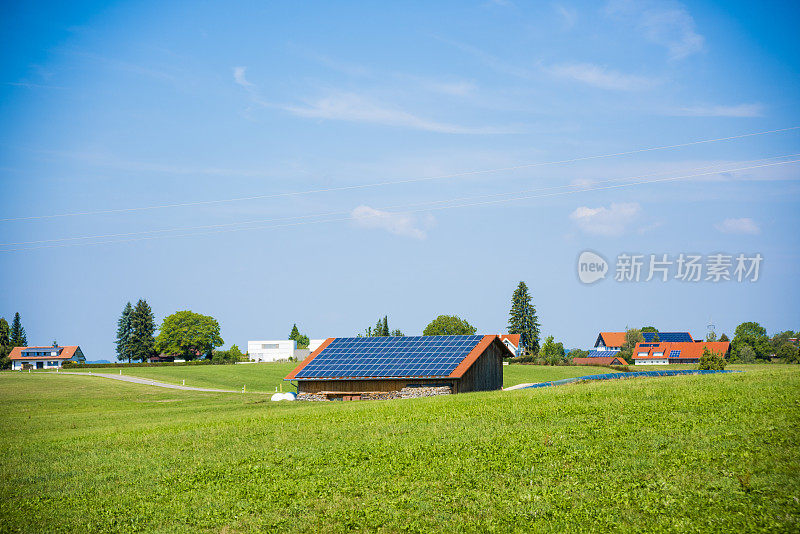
<point x="10" y="337"/>
<point x="381" y="329"/>
<point x="183" y="334"/>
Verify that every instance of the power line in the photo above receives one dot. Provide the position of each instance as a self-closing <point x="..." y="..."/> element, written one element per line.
<point x="401" y="207"/>
<point x="463" y="205"/>
<point x="396" y="182"/>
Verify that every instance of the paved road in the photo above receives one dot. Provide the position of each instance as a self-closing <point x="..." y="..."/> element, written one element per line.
<point x="148" y="382"/>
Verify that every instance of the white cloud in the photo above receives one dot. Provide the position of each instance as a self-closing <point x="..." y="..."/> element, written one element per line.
<point x="598" y="76"/>
<point x="664" y="22"/>
<point x="355" y="108"/>
<point x="395" y="223"/>
<point x="239" y="76"/>
<point x="611" y="221"/>
<point x="740" y="111"/>
<point x="568" y="15"/>
<point x="745" y="225"/>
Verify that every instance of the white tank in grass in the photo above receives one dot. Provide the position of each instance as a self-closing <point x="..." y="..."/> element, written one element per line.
<point x="283" y="396"/>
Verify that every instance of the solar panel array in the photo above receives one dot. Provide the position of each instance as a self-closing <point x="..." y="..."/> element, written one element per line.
<point x="390" y="357"/>
<point x="674" y="354"/>
<point x="672" y="337"/>
<point x="601" y="353"/>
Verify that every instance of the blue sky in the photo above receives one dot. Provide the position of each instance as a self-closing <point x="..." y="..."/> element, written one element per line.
<point x="124" y="106"/>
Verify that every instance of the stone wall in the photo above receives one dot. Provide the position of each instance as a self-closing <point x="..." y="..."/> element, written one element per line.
<point x="409" y="392"/>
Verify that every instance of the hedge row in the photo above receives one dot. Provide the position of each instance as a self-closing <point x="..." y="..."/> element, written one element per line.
<point x="76" y="365"/>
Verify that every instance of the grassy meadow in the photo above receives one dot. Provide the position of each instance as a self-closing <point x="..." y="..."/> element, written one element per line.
<point x="265" y="377"/>
<point x="690" y="453"/>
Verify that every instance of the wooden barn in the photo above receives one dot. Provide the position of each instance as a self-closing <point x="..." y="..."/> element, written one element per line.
<point x="359" y="366"/>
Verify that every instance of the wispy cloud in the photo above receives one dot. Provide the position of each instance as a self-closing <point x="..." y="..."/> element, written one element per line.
<point x="239" y="77"/>
<point x="664" y="22"/>
<point x="599" y="76"/>
<point x="739" y="110"/>
<point x="611" y="221"/>
<point x="569" y="15"/>
<point x="490" y="60"/>
<point x="358" y="108"/>
<point x="395" y="223"/>
<point x="745" y="225"/>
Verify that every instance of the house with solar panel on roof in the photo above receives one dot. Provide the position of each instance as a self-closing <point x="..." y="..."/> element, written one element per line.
<point x="672" y="352"/>
<point x="608" y="344"/>
<point x="356" y="368"/>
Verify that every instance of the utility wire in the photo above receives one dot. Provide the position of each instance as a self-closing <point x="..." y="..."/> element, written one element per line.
<point x="396" y="182"/>
<point x="438" y="208"/>
<point x="401" y="207"/>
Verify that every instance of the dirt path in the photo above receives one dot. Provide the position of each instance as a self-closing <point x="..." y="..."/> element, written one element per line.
<point x="148" y="382"/>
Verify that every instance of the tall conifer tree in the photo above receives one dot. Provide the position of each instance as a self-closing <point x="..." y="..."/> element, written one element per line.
<point x="18" y="336"/>
<point x="522" y="319"/>
<point x="143" y="327"/>
<point x="124" y="334"/>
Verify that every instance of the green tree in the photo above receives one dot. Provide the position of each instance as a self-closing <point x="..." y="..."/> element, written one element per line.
<point x="552" y="353"/>
<point x="788" y="353"/>
<point x="522" y="319"/>
<point x="449" y="325"/>
<point x="724" y="337"/>
<point x="744" y="355"/>
<point x="713" y="361"/>
<point x="578" y="353"/>
<point x="632" y="337"/>
<point x="141" y="343"/>
<point x="711" y="336"/>
<point x="753" y="335"/>
<point x="381" y="329"/>
<point x="779" y="339"/>
<point x="18" y="336"/>
<point x="649" y="329"/>
<point x="232" y="355"/>
<point x="656" y="339"/>
<point x="188" y="334"/>
<point x="124" y="333"/>
<point x="5" y="344"/>
<point x="397" y="333"/>
<point x="302" y="341"/>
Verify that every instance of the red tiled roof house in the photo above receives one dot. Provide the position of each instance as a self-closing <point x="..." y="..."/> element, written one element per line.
<point x="44" y="357"/>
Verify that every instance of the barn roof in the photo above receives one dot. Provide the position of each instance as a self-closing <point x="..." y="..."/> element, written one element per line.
<point x="394" y="357"/>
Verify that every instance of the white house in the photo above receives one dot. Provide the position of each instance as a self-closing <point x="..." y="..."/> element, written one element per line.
<point x="279" y="350"/>
<point x="44" y="357"/>
<point x="512" y="342"/>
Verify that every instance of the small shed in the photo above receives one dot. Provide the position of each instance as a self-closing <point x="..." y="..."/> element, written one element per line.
<point x="356" y="367"/>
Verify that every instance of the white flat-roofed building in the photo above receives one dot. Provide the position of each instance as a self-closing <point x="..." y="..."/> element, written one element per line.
<point x="277" y="350"/>
<point x="271" y="350"/>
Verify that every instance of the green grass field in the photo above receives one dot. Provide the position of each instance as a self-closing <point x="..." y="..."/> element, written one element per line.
<point x="690" y="453"/>
<point x="265" y="377"/>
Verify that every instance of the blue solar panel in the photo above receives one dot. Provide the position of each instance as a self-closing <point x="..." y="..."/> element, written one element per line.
<point x="674" y="354"/>
<point x="602" y="353"/>
<point x="390" y="357"/>
<point x="672" y="337"/>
